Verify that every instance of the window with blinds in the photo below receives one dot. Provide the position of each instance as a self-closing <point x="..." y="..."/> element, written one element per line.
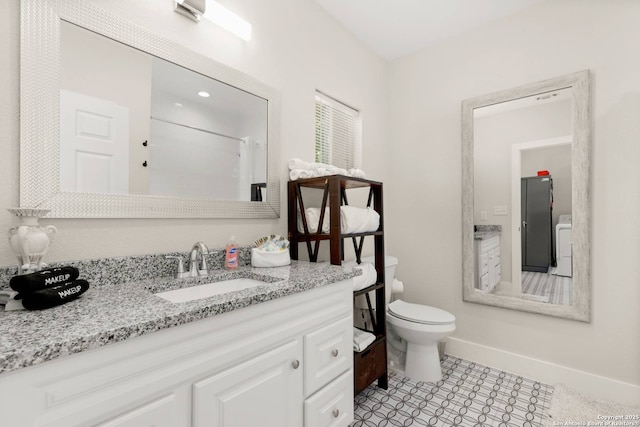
<point x="337" y="133"/>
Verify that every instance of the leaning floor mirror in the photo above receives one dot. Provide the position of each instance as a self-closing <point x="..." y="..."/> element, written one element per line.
<point x="525" y="198"/>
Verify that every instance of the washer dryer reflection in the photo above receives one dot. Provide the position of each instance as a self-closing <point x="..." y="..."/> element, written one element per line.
<point x="563" y="246"/>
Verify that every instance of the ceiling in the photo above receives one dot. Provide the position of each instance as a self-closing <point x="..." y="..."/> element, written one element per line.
<point x="394" y="28"/>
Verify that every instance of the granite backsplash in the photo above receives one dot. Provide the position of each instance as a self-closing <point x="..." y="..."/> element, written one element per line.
<point x="132" y="268"/>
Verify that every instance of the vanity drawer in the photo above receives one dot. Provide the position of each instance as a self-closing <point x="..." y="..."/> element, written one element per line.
<point x="490" y="243"/>
<point x="484" y="282"/>
<point x="484" y="263"/>
<point x="328" y="353"/>
<point x="332" y="406"/>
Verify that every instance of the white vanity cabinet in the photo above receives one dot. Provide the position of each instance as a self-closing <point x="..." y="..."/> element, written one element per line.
<point x="487" y="261"/>
<point x="157" y="413"/>
<point x="284" y="362"/>
<point x="264" y="390"/>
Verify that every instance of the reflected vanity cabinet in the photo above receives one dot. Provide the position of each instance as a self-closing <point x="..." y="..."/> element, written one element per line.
<point x="281" y="363"/>
<point x="371" y="364"/>
<point x="487" y="261"/>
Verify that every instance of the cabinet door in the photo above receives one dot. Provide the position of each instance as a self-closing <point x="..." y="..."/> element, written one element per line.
<point x="264" y="391"/>
<point x="159" y="413"/>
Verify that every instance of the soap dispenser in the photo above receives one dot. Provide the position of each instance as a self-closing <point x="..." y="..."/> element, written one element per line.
<point x="231" y="255"/>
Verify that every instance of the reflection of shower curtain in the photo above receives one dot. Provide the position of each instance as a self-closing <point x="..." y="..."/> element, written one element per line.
<point x="252" y="166"/>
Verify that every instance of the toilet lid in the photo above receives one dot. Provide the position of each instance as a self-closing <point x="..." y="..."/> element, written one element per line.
<point x="420" y="313"/>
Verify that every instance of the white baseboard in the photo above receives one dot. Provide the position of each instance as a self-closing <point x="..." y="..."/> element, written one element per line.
<point x="587" y="384"/>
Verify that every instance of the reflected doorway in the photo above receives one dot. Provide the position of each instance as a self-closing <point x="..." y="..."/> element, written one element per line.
<point x="541" y="197"/>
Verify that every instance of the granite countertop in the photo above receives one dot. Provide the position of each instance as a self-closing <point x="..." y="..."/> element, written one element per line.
<point x="485" y="231"/>
<point x="115" y="312"/>
<point x="481" y="235"/>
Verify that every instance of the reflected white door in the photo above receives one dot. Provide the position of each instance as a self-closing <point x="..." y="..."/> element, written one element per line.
<point x="94" y="144"/>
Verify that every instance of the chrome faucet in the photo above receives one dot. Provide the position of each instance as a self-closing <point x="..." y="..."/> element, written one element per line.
<point x="199" y="250"/>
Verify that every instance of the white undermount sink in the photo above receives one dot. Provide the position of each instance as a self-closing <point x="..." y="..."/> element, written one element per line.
<point x="209" y="289"/>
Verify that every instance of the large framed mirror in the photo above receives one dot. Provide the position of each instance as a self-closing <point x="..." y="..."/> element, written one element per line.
<point x="525" y="198"/>
<point x="117" y="122"/>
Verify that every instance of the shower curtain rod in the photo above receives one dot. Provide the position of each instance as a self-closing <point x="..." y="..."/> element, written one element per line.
<point x="195" y="128"/>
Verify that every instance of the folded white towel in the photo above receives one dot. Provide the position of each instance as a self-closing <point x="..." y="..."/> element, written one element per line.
<point x="358" y="220"/>
<point x="356" y="173"/>
<point x="299" y="169"/>
<point x="312" y="166"/>
<point x="362" y="339"/>
<point x="352" y="220"/>
<point x="368" y="275"/>
<point x="295" y="174"/>
<point x="313" y="219"/>
<point x="302" y="165"/>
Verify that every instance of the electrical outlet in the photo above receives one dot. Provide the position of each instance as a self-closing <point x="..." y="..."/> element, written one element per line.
<point x="483" y="215"/>
<point x="500" y="210"/>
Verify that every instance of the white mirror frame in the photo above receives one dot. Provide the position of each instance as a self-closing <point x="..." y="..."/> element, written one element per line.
<point x="581" y="205"/>
<point x="40" y="118"/>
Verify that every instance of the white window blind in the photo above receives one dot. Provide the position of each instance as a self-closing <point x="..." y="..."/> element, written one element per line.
<point x="337" y="133"/>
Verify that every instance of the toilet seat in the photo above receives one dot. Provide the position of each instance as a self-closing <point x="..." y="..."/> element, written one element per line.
<point x="419" y="313"/>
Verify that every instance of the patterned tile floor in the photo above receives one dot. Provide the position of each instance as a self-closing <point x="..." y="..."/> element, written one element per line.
<point x="469" y="394"/>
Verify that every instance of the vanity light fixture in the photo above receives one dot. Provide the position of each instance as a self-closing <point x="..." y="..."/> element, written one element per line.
<point x="177" y="104"/>
<point x="192" y="9"/>
<point x="220" y="15"/>
<point x="204" y="94"/>
<point x="216" y="13"/>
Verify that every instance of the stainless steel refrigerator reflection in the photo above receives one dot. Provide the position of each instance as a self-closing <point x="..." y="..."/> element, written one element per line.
<point x="536" y="230"/>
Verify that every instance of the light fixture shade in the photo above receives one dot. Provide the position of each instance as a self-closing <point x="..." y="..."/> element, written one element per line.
<point x="228" y="20"/>
<point x="192" y="9"/>
<point x="216" y="13"/>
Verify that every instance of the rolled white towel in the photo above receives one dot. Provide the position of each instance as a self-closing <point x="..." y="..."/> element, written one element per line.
<point x="352" y="220"/>
<point x="295" y="174"/>
<point x="356" y="173"/>
<point x="297" y="168"/>
<point x="313" y="219"/>
<point x="337" y="171"/>
<point x="368" y="275"/>
<point x="358" y="220"/>
<point x="302" y="165"/>
<point x="362" y="339"/>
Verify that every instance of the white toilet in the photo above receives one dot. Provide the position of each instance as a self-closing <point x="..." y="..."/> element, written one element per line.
<point x="420" y="326"/>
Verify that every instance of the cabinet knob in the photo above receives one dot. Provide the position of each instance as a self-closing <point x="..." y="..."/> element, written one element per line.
<point x="296" y="364"/>
<point x="334" y="353"/>
<point x="336" y="413"/>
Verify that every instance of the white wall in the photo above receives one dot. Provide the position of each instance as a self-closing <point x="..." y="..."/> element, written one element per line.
<point x="545" y="41"/>
<point x="296" y="48"/>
